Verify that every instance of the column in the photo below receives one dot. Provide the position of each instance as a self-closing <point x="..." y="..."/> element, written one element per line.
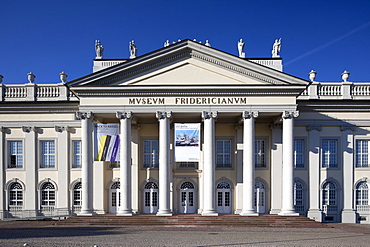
<point x="31" y="166"/>
<point x="248" y="164"/>
<point x="209" y="199"/>
<point x="125" y="163"/>
<point x="288" y="158"/>
<point x="348" y="213"/>
<point x="63" y="168"/>
<point x="314" y="211"/>
<point x="2" y="172"/>
<point x="164" y="163"/>
<point x="87" y="208"/>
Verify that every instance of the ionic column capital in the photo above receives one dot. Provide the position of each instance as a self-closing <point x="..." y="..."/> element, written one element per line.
<point x="123" y="115"/>
<point x="209" y="114"/>
<point x="345" y="127"/>
<point x="60" y="129"/>
<point x="28" y="129"/>
<point x="84" y="115"/>
<point x="313" y="127"/>
<point x="290" y="114"/>
<point x="163" y="114"/>
<point x="250" y="114"/>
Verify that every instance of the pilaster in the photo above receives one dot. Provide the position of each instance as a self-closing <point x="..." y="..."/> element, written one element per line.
<point x="125" y="163"/>
<point x="276" y="168"/>
<point x="209" y="164"/>
<point x="164" y="163"/>
<point x="3" y="206"/>
<point x="63" y="167"/>
<point x="248" y="164"/>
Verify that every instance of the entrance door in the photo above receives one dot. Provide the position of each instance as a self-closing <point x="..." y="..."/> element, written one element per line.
<point x="114" y="197"/>
<point x="187" y="199"/>
<point x="223" y="198"/>
<point x="150" y="198"/>
<point x="259" y="198"/>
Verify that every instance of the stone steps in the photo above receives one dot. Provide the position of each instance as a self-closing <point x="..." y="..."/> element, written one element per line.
<point x="264" y="220"/>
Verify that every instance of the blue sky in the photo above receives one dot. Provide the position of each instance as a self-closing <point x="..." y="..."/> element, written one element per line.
<point x="47" y="37"/>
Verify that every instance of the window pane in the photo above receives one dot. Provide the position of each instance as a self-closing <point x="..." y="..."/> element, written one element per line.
<point x="223" y="153"/>
<point x="47" y="154"/>
<point x="15" y="154"/>
<point x="77" y="154"/>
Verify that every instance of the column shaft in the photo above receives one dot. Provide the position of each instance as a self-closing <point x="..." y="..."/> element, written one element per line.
<point x="209" y="164"/>
<point x="248" y="164"/>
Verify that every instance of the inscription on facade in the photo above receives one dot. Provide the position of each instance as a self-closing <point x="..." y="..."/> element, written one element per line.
<point x="189" y="101"/>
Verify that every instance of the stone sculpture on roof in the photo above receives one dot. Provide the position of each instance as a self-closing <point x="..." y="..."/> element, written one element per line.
<point x="133" y="49"/>
<point x="276" y="48"/>
<point x="99" y="49"/>
<point x="241" y="48"/>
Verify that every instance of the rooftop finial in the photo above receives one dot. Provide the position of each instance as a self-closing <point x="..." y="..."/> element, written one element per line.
<point x="167" y="43"/>
<point x="312" y="75"/>
<point x="98" y="49"/>
<point x="276" y="48"/>
<point x="207" y="43"/>
<point x="31" y="77"/>
<point x="133" y="49"/>
<point x="345" y="76"/>
<point x="63" y="77"/>
<point x="241" y="48"/>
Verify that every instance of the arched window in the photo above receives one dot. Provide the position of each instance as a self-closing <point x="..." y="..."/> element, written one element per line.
<point x="362" y="196"/>
<point x="150" y="185"/>
<point x="48" y="196"/>
<point x="298" y="197"/>
<point x="77" y="199"/>
<point x="187" y="185"/>
<point x="223" y="185"/>
<point x="329" y="197"/>
<point x="15" y="196"/>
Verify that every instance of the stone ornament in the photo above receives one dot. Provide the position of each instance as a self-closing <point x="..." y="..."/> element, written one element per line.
<point x="123" y="115"/>
<point x="209" y="115"/>
<point x="163" y="114"/>
<point x="31" y="77"/>
<point x="84" y="115"/>
<point x="313" y="127"/>
<point x="98" y="49"/>
<point x="167" y="43"/>
<point x="312" y="75"/>
<point x="241" y="48"/>
<point x="250" y="114"/>
<point x="133" y="49"/>
<point x="29" y="129"/>
<point x="345" y="76"/>
<point x="345" y="127"/>
<point x="207" y="43"/>
<point x="60" y="129"/>
<point x="290" y="114"/>
<point x="276" y="48"/>
<point x="63" y="77"/>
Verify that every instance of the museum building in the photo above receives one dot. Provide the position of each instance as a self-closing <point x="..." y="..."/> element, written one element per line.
<point x="186" y="129"/>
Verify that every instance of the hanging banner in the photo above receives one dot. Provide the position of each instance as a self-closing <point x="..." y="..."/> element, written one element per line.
<point x="106" y="142"/>
<point x="187" y="142"/>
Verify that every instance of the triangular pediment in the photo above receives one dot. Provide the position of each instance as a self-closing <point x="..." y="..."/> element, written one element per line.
<point x="186" y="63"/>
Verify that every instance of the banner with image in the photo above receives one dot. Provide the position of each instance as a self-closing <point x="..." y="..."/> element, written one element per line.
<point x="106" y="142"/>
<point x="187" y="142"/>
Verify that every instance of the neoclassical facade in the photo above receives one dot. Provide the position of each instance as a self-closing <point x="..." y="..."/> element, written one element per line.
<point x="269" y="142"/>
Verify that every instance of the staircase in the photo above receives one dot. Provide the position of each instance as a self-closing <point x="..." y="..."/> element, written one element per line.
<point x="264" y="220"/>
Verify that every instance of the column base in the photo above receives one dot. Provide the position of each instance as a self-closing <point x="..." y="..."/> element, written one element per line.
<point x="249" y="213"/>
<point x="348" y="216"/>
<point x="125" y="213"/>
<point x="275" y="211"/>
<point x="288" y="213"/>
<point x="315" y="214"/>
<point x="164" y="213"/>
<point x="86" y="213"/>
<point x="209" y="213"/>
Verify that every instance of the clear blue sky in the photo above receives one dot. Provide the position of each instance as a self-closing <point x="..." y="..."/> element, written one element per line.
<point x="47" y="37"/>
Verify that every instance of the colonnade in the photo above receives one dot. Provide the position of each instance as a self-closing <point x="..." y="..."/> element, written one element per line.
<point x="209" y="200"/>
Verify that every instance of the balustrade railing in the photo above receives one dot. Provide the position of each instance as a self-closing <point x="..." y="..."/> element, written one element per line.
<point x="363" y="208"/>
<point x="34" y="92"/>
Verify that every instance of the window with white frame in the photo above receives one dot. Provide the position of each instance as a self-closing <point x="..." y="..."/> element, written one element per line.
<point x="260" y="153"/>
<point x="298" y="197"/>
<point x="77" y="197"/>
<point x="47" y="154"/>
<point x="299" y="153"/>
<point x="15" y="154"/>
<point x="150" y="153"/>
<point x="223" y="153"/>
<point x="329" y="194"/>
<point x="48" y="196"/>
<point x="76" y="154"/>
<point x="329" y="153"/>
<point x="362" y="196"/>
<point x="362" y="153"/>
<point x="15" y="196"/>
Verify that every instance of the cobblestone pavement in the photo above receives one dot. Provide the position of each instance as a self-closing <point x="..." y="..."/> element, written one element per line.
<point x="46" y="234"/>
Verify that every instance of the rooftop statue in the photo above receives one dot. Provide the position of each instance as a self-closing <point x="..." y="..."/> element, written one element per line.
<point x="241" y="48"/>
<point x="207" y="43"/>
<point x="167" y="43"/>
<point x="99" y="49"/>
<point x="276" y="48"/>
<point x="133" y="49"/>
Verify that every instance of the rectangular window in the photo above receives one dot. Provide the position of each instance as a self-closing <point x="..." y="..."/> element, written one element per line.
<point x="329" y="151"/>
<point x="362" y="153"/>
<point x="223" y="153"/>
<point x="47" y="154"/>
<point x="151" y="154"/>
<point x="15" y="154"/>
<point x="299" y="153"/>
<point x="260" y="153"/>
<point x="76" y="154"/>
